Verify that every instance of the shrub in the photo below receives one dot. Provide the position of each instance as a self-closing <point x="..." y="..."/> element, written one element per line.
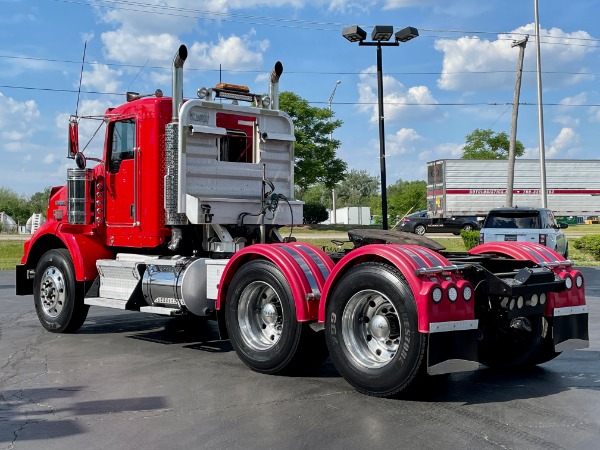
<point x="470" y="238"/>
<point x="315" y="213"/>
<point x="588" y="244"/>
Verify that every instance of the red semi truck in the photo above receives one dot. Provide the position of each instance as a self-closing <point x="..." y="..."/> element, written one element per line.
<point x="180" y="217"/>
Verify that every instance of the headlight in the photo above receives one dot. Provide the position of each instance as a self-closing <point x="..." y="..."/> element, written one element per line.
<point x="520" y="302"/>
<point x="579" y="281"/>
<point x="542" y="298"/>
<point x="568" y="282"/>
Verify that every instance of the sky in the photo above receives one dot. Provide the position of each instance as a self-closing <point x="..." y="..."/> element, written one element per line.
<point x="457" y="76"/>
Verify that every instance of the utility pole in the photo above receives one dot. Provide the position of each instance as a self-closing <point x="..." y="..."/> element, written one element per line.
<point x="543" y="191"/>
<point x="510" y="181"/>
<point x="333" y="219"/>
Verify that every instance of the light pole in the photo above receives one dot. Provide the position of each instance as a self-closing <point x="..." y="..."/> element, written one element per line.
<point x="379" y="38"/>
<point x="333" y="216"/>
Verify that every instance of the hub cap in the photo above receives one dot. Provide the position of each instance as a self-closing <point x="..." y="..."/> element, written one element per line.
<point x="52" y="292"/>
<point x="371" y="329"/>
<point x="260" y="316"/>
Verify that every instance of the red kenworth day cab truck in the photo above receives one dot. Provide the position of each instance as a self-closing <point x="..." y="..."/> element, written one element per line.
<point x="181" y="216"/>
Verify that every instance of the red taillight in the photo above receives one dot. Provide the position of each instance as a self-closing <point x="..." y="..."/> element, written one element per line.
<point x="543" y="239"/>
<point x="404" y="220"/>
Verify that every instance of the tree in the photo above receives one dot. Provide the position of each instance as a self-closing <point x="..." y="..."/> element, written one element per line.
<point x="357" y="189"/>
<point x="315" y="152"/>
<point x="19" y="207"/>
<point x="406" y="196"/>
<point x="487" y="144"/>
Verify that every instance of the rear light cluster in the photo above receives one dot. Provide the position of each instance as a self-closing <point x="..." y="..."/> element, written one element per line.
<point x="571" y="281"/>
<point x="542" y="239"/>
<point x="452" y="291"/>
<point x="522" y="301"/>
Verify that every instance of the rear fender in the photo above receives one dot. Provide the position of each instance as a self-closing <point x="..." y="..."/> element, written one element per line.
<point x="423" y="269"/>
<point x="305" y="266"/>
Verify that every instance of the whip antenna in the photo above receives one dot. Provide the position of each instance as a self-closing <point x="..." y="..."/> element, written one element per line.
<point x="80" y="78"/>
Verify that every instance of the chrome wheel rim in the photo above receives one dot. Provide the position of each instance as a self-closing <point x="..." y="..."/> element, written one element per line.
<point x="260" y="316"/>
<point x="52" y="292"/>
<point x="420" y="230"/>
<point x="371" y="329"/>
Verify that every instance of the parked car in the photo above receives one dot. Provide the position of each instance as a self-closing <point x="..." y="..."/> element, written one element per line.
<point x="420" y="223"/>
<point x="525" y="225"/>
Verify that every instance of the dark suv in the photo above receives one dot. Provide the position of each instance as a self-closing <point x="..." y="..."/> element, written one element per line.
<point x="525" y="225"/>
<point x="420" y="223"/>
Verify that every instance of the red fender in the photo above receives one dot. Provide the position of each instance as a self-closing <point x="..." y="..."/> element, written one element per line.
<point x="85" y="249"/>
<point x="541" y="254"/>
<point x="305" y="266"/>
<point x="408" y="259"/>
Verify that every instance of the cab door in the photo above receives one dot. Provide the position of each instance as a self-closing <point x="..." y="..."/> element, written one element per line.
<point x="121" y="175"/>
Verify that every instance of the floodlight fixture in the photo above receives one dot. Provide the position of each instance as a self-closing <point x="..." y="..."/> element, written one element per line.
<point x="382" y="33"/>
<point x="406" y="34"/>
<point x="354" y="33"/>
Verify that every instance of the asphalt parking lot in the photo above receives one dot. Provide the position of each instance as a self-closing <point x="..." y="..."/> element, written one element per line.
<point x="134" y="381"/>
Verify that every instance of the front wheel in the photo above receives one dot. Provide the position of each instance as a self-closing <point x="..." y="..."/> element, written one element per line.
<point x="260" y="315"/>
<point x="372" y="332"/>
<point x="420" y="230"/>
<point x="58" y="296"/>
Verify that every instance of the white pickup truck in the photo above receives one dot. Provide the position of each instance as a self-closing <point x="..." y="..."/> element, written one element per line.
<point x="525" y="225"/>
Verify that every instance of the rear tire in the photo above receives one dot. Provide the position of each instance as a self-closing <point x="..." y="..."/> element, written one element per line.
<point x="467" y="227"/>
<point x="260" y="315"/>
<point x="57" y="295"/>
<point x="372" y="333"/>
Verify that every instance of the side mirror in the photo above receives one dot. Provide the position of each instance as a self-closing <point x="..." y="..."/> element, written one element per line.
<point x="73" y="142"/>
<point x="80" y="160"/>
<point x="563" y="225"/>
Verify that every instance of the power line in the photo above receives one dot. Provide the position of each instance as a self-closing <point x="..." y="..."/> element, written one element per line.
<point x="305" y="72"/>
<point x="58" y="90"/>
<point x="227" y="16"/>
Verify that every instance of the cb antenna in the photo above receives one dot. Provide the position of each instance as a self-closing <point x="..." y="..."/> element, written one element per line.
<point x="80" y="78"/>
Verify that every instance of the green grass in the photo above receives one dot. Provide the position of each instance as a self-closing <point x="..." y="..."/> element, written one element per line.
<point x="10" y="254"/>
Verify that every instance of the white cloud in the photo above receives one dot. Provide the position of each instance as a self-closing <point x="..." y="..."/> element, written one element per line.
<point x="399" y="102"/>
<point x="564" y="145"/>
<point x="49" y="158"/>
<point x="234" y="52"/>
<point x="405" y="141"/>
<point x="126" y="47"/>
<point x="18" y="120"/>
<point x="101" y="78"/>
<point x="466" y="55"/>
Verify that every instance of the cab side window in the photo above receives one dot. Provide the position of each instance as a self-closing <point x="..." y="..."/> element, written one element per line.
<point x="122" y="143"/>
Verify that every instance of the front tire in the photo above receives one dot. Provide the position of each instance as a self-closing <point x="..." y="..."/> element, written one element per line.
<point x="372" y="332"/>
<point x="260" y="315"/>
<point x="57" y="295"/>
<point x="420" y="230"/>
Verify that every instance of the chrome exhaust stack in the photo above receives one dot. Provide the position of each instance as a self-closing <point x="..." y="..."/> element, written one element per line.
<point x="274" y="85"/>
<point x="178" y="61"/>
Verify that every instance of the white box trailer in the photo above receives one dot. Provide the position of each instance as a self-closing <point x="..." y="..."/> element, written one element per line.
<point x="463" y="187"/>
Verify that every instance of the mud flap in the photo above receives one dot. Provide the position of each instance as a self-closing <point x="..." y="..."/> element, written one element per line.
<point x="570" y="328"/>
<point x="452" y="351"/>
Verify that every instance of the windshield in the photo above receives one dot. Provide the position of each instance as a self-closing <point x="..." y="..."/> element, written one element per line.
<point x="513" y="220"/>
